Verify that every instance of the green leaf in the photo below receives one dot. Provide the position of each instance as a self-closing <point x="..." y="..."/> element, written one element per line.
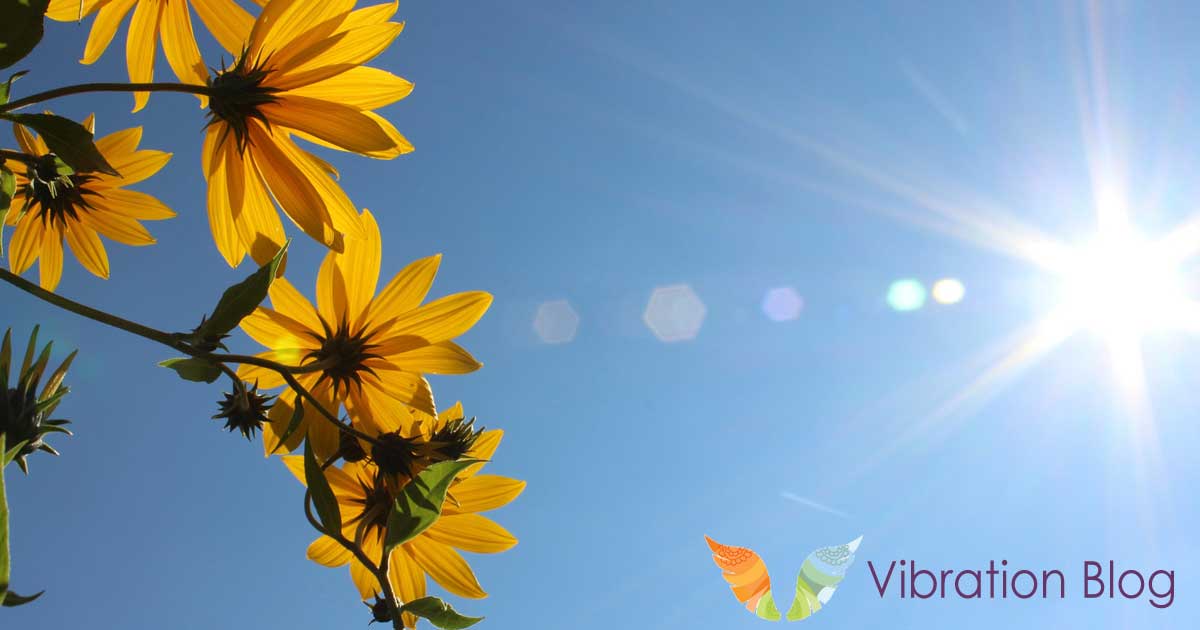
<point x="4" y="559"/>
<point x="439" y="613"/>
<point x="293" y="424"/>
<point x="192" y="369"/>
<point x="241" y="299"/>
<point x="6" y="88"/>
<point x="21" y="29"/>
<point x="67" y="139"/>
<point x="20" y="600"/>
<point x="420" y="503"/>
<point x="322" y="495"/>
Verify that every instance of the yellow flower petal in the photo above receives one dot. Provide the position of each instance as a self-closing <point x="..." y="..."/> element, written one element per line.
<point x="340" y="125"/>
<point x="275" y="330"/>
<point x="367" y="16"/>
<point x="471" y="532"/>
<point x="282" y="21"/>
<point x="290" y="302"/>
<point x="326" y="551"/>
<point x="406" y="290"/>
<point x="229" y="23"/>
<point x="86" y="246"/>
<point x="50" y="263"/>
<point x="179" y="44"/>
<point x="71" y="10"/>
<point x="443" y="319"/>
<point x="134" y="167"/>
<point x="256" y="220"/>
<point x="357" y="269"/>
<point x="374" y="418"/>
<point x="341" y="210"/>
<point x="408" y="580"/>
<point x="292" y="190"/>
<point x="343" y="484"/>
<point x="28" y="142"/>
<point x="350" y="49"/>
<point x="366" y="583"/>
<point x="132" y="204"/>
<point x="400" y="144"/>
<point x="327" y="297"/>
<point x="103" y="29"/>
<point x="220" y="213"/>
<point x="141" y="47"/>
<point x="483" y="448"/>
<point x="483" y="492"/>
<point x="26" y="244"/>
<point x="361" y="87"/>
<point x="269" y="379"/>
<point x="322" y="433"/>
<point x="280" y="416"/>
<point x="119" y="228"/>
<point x="120" y="142"/>
<point x="446" y="567"/>
<point x="407" y="387"/>
<point x="445" y="357"/>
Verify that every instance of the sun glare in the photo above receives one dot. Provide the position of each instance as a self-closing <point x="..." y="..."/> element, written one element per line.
<point x="1121" y="285"/>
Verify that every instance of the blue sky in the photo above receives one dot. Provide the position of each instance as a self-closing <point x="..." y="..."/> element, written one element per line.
<point x="593" y="153"/>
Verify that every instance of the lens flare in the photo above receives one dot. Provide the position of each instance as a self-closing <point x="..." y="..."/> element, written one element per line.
<point x="906" y="295"/>
<point x="782" y="304"/>
<point x="948" y="291"/>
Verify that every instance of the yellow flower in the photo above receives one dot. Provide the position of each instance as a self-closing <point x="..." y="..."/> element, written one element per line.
<point x="300" y="75"/>
<point x="373" y="349"/>
<point x="168" y="20"/>
<point x="48" y="208"/>
<point x="435" y="552"/>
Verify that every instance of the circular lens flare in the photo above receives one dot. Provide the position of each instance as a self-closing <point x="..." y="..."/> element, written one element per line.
<point x="906" y="295"/>
<point x="948" y="291"/>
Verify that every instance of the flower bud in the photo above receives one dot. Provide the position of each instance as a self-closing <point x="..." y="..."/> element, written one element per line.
<point x="24" y="412"/>
<point x="245" y="410"/>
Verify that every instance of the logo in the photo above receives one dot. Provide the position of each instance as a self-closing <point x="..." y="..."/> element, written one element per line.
<point x="819" y="577"/>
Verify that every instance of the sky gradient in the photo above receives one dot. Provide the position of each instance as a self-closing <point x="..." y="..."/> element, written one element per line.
<point x="595" y="153"/>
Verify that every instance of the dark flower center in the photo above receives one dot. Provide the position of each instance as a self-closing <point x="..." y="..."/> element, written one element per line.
<point x="377" y="504"/>
<point x="395" y="454"/>
<point x="344" y="355"/>
<point x="55" y="197"/>
<point x="236" y="96"/>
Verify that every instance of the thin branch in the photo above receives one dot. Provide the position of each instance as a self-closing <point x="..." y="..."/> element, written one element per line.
<point x="93" y="314"/>
<point x="380" y="571"/>
<point x="174" y="343"/>
<point x="84" y="88"/>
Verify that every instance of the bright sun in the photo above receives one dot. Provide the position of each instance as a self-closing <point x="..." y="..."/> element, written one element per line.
<point x="1121" y="285"/>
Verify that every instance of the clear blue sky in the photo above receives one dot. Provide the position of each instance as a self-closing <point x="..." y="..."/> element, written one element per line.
<point x="594" y="153"/>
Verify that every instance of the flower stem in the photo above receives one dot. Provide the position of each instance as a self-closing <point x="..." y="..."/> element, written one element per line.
<point x="173" y="342"/>
<point x="84" y="88"/>
<point x="91" y="313"/>
<point x="380" y="571"/>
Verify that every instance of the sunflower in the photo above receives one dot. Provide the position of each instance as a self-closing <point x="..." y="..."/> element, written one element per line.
<point x="365" y="501"/>
<point x="49" y="207"/>
<point x="372" y="349"/>
<point x="301" y="75"/>
<point x="168" y="20"/>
